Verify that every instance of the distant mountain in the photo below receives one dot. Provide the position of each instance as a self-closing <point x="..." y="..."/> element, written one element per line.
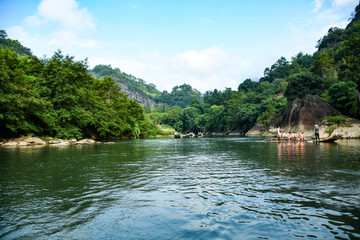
<point x="135" y="88"/>
<point x="6" y="43"/>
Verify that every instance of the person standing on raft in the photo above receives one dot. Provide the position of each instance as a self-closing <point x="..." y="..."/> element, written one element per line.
<point x="317" y="133"/>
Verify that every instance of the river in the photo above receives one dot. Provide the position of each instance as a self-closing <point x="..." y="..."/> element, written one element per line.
<point x="202" y="188"/>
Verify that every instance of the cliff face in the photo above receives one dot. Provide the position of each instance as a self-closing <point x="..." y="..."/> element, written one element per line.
<point x="134" y="94"/>
<point x="303" y="114"/>
<point x="137" y="95"/>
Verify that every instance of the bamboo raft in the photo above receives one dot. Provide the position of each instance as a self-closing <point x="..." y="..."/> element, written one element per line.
<point x="286" y="140"/>
<point x="329" y="139"/>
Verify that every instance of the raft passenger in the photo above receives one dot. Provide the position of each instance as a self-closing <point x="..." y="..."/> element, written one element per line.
<point x="302" y="136"/>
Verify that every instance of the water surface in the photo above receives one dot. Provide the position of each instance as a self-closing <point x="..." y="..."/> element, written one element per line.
<point x="205" y="188"/>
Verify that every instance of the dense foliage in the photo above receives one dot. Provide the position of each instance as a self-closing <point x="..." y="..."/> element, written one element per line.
<point x="181" y="96"/>
<point x="57" y="97"/>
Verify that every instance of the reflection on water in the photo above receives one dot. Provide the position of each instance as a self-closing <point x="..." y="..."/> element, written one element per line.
<point x="209" y="188"/>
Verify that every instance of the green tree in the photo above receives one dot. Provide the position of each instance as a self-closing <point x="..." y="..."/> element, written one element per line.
<point x="333" y="36"/>
<point x="247" y="115"/>
<point x="188" y="119"/>
<point x="350" y="66"/>
<point x="301" y="84"/>
<point x="215" y="121"/>
<point x="247" y="85"/>
<point x="22" y="109"/>
<point x="174" y="118"/>
<point x="280" y="69"/>
<point x="271" y="109"/>
<point x="181" y="96"/>
<point x="342" y="96"/>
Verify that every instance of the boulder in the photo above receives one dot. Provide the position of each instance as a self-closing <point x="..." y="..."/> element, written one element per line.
<point x="34" y="141"/>
<point x="10" y="144"/>
<point x="255" y="131"/>
<point x="85" y="141"/>
<point x="23" y="143"/>
<point x="303" y="114"/>
<point x="57" y="141"/>
<point x="235" y="132"/>
<point x="63" y="143"/>
<point x="72" y="141"/>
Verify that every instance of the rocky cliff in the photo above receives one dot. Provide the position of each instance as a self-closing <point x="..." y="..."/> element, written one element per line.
<point x="303" y="114"/>
<point x="133" y="93"/>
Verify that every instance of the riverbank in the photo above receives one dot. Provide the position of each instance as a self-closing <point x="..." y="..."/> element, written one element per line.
<point x="350" y="129"/>
<point x="37" y="141"/>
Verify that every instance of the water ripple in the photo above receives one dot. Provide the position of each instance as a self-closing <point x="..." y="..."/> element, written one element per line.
<point x="216" y="188"/>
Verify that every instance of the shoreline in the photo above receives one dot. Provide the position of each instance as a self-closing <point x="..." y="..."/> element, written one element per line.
<point x="38" y="141"/>
<point x="48" y="141"/>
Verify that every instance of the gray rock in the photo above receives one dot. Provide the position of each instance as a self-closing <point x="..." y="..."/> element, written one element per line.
<point x="23" y="143"/>
<point x="85" y="141"/>
<point x="10" y="144"/>
<point x="134" y="94"/>
<point x="35" y="141"/>
<point x="351" y="130"/>
<point x="64" y="143"/>
<point x="303" y="114"/>
<point x="55" y="141"/>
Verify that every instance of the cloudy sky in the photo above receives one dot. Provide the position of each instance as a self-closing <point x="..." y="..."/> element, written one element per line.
<point x="205" y="43"/>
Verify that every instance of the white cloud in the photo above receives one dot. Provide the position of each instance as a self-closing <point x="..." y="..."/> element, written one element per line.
<point x="317" y="5"/>
<point x="57" y="24"/>
<point x="64" y="12"/>
<point x="34" y="21"/>
<point x="341" y="3"/>
<point x="202" y="62"/>
<point x="18" y="32"/>
<point x="204" y="70"/>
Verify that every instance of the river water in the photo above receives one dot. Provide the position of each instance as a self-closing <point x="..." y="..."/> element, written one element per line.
<point x="202" y="188"/>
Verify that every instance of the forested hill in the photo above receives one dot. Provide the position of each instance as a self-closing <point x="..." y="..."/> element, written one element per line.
<point x="135" y="88"/>
<point x="146" y="93"/>
<point x="7" y="43"/>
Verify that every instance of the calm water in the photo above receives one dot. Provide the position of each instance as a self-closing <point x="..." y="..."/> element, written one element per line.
<point x="210" y="188"/>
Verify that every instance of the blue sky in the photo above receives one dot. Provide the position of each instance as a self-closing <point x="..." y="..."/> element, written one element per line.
<point x="207" y="44"/>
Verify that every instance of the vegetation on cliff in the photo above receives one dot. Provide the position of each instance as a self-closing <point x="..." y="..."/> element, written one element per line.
<point x="149" y="90"/>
